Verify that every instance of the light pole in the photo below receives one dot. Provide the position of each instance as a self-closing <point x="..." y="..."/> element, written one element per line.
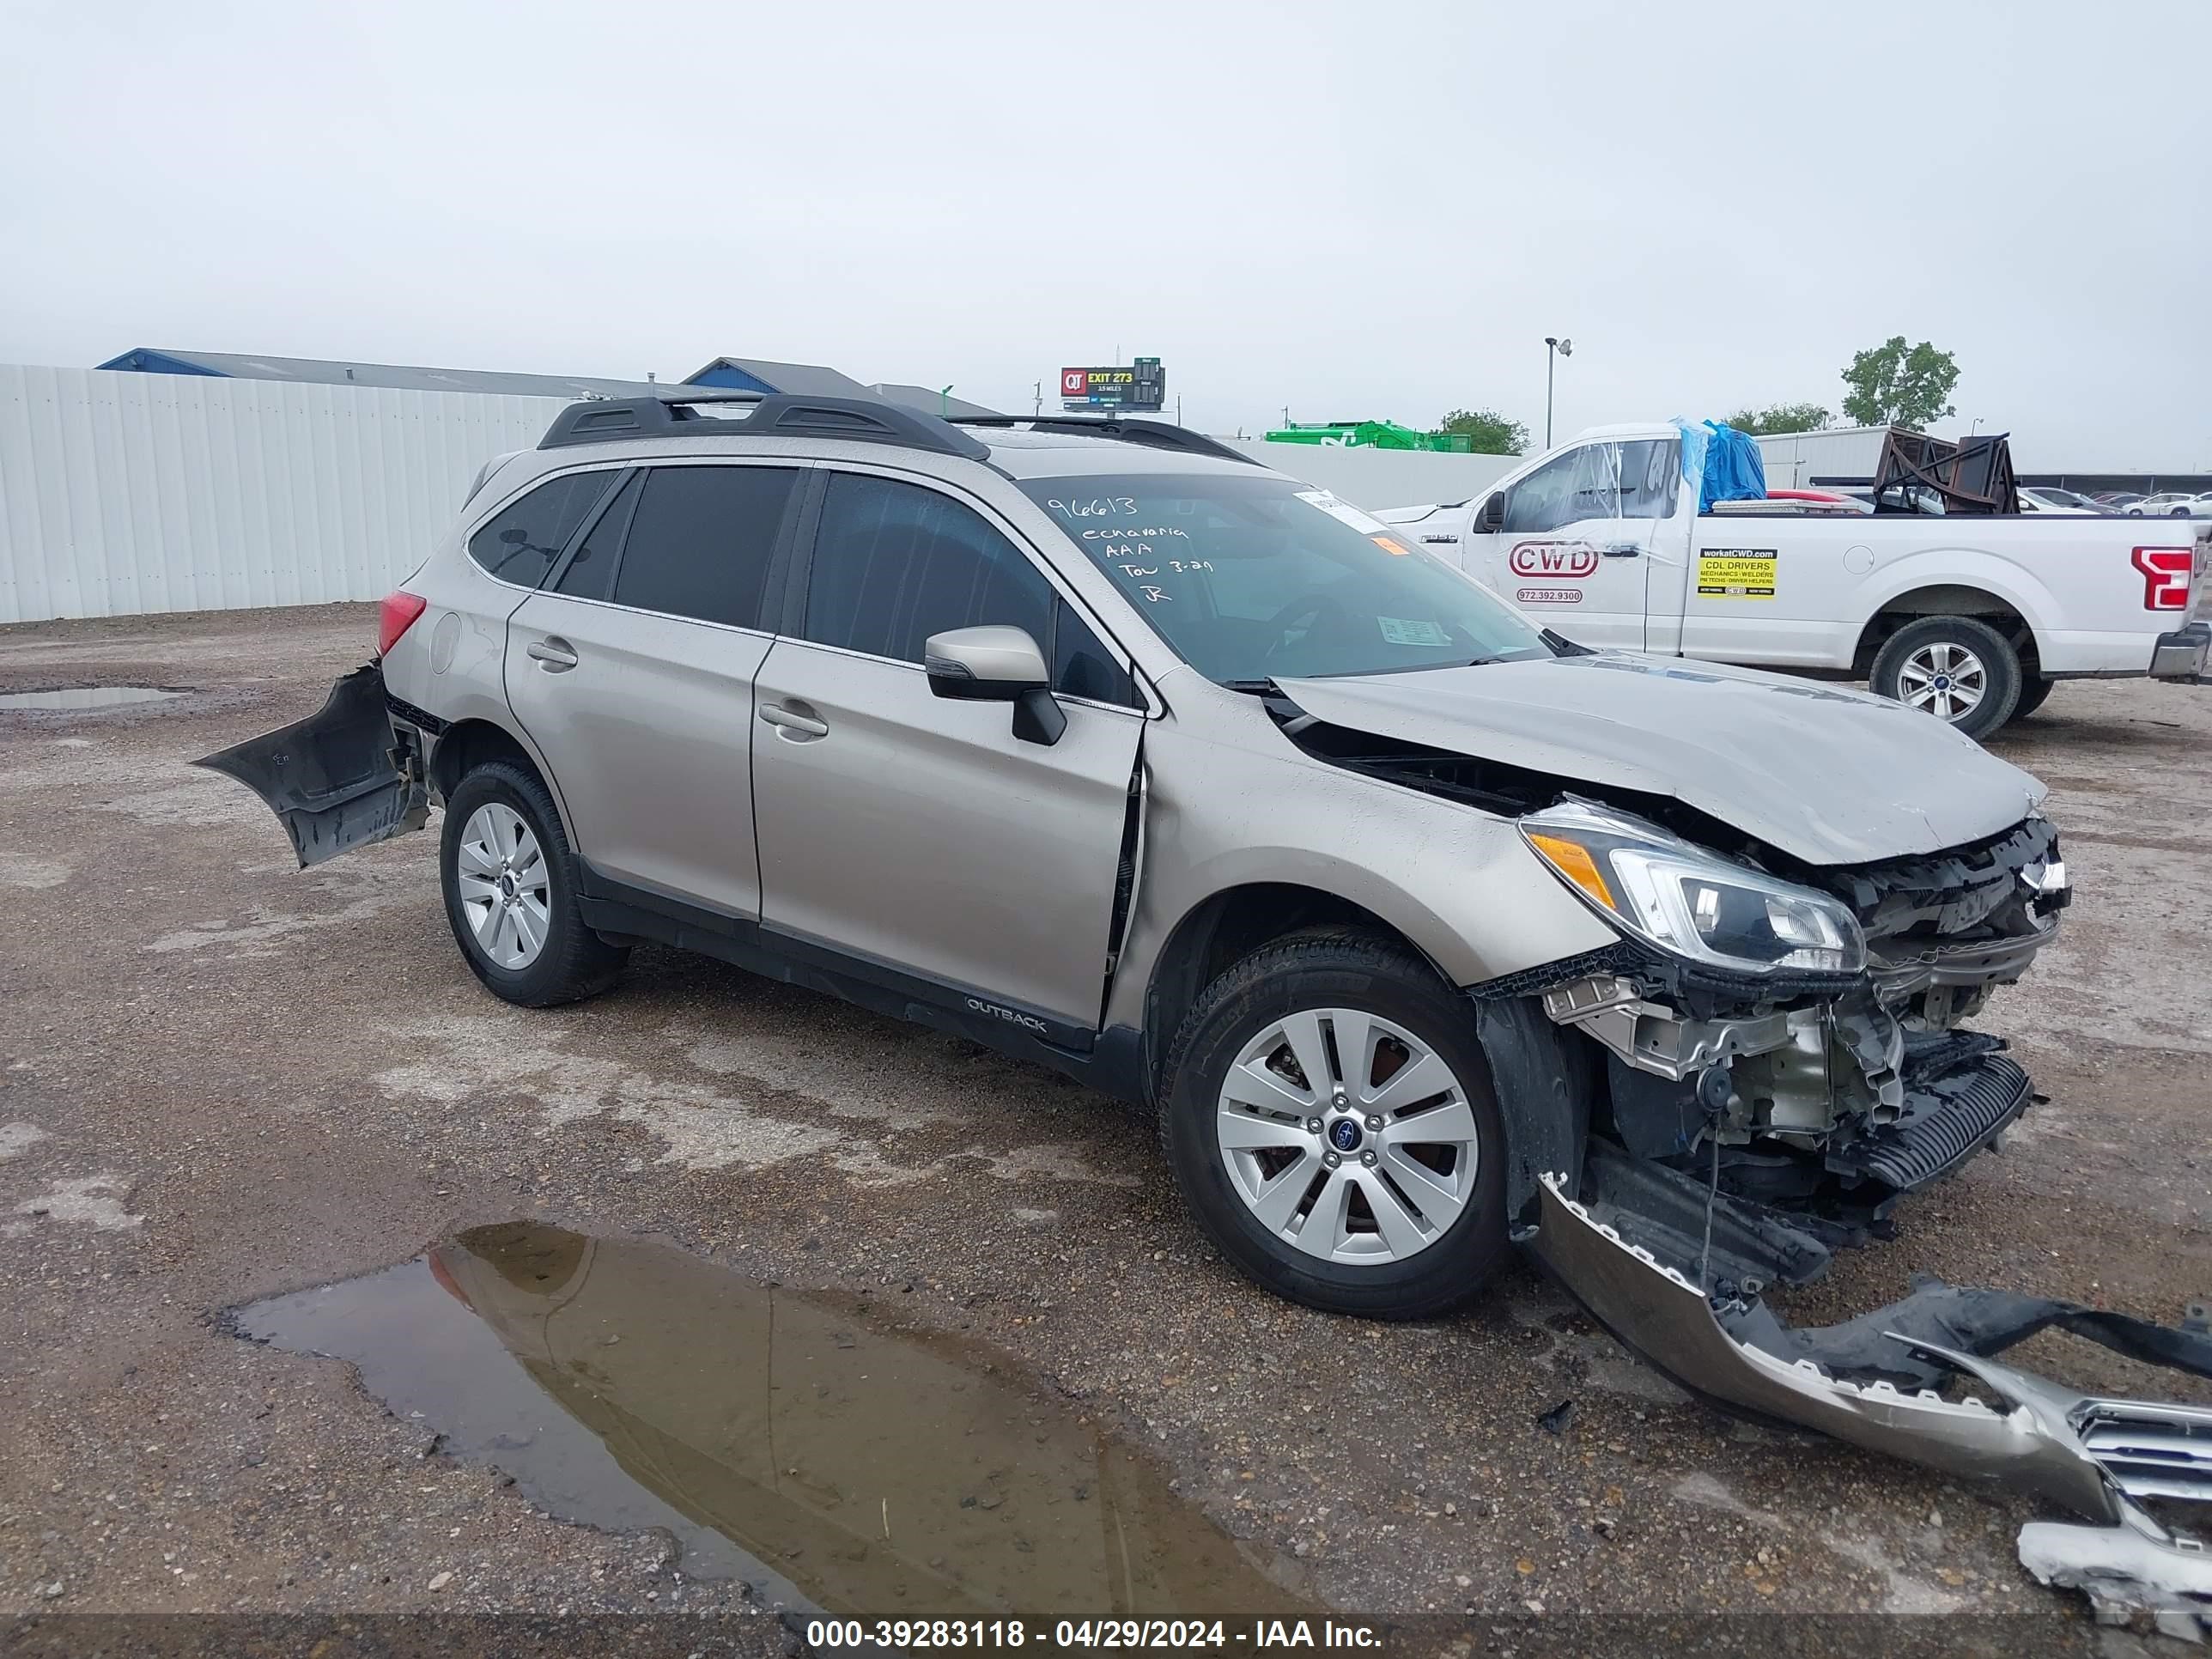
<point x="1555" y="350"/>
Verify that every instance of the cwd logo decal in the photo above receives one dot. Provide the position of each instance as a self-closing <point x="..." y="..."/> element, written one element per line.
<point x="1571" y="560"/>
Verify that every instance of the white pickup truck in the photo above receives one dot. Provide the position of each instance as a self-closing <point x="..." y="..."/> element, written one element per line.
<point x="1971" y="618"/>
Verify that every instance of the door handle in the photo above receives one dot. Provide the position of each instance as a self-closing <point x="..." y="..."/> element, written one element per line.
<point x="557" y="654"/>
<point x="1621" y="550"/>
<point x="792" y="723"/>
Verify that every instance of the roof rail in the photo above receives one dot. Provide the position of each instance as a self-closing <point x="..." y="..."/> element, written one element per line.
<point x="775" y="415"/>
<point x="1156" y="434"/>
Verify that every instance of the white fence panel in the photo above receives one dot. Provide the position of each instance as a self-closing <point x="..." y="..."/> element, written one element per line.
<point x="121" y="494"/>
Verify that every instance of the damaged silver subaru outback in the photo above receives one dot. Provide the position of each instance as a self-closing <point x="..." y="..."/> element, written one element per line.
<point x="1424" y="930"/>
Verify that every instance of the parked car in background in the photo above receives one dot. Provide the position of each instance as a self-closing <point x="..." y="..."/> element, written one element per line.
<point x="1971" y="619"/>
<point x="2113" y="499"/>
<point x="2168" y="503"/>
<point x="2049" y="498"/>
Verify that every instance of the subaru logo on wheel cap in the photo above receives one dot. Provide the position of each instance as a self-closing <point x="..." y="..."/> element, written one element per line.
<point x="1344" y="1134"/>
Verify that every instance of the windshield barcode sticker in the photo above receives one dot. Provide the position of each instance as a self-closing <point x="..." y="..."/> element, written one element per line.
<point x="1344" y="511"/>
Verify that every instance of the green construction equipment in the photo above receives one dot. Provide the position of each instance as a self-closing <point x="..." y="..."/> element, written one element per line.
<point x="1370" y="434"/>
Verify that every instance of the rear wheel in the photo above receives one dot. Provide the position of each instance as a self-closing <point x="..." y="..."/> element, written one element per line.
<point x="1331" y="1123"/>
<point x="1961" y="671"/>
<point x="510" y="888"/>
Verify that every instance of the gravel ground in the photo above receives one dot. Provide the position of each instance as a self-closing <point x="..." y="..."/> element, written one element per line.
<point x="223" y="1078"/>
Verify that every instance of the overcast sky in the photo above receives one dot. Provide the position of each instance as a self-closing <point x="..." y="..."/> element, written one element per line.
<point x="1360" y="208"/>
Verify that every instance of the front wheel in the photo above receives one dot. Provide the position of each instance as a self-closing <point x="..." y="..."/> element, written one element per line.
<point x="1331" y="1122"/>
<point x="1958" y="669"/>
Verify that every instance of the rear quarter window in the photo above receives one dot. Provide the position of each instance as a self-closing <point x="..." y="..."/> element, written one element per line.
<point x="700" y="541"/>
<point x="524" y="537"/>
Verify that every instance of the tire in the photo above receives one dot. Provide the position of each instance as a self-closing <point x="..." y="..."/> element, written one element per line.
<point x="1959" y="670"/>
<point x="489" y="813"/>
<point x="2033" y="693"/>
<point x="1452" y="1152"/>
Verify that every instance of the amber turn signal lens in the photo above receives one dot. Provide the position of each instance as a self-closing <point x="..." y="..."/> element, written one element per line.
<point x="1573" y="860"/>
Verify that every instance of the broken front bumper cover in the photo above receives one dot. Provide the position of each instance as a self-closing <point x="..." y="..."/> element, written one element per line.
<point x="2096" y="1456"/>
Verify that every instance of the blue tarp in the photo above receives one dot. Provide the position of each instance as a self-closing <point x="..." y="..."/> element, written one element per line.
<point x="1733" y="470"/>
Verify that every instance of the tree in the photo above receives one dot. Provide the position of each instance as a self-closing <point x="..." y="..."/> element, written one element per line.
<point x="1490" y="433"/>
<point x="1779" y="418"/>
<point x="1892" y="385"/>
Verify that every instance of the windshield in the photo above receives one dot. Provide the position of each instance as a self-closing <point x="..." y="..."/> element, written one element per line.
<point x="1252" y="578"/>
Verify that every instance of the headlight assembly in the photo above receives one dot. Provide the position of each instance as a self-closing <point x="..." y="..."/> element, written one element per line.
<point x="1691" y="902"/>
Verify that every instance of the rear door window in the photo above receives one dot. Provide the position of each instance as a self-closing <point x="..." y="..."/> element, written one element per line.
<point x="523" y="538"/>
<point x="700" y="541"/>
<point x="590" y="572"/>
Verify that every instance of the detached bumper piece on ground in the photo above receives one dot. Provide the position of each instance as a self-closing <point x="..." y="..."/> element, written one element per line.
<point x="1873" y="1381"/>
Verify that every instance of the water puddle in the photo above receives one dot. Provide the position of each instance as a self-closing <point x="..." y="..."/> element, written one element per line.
<point x="86" y="696"/>
<point x="781" y="1437"/>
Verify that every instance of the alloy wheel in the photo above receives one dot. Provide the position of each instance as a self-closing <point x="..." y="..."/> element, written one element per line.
<point x="1946" y="679"/>
<point x="505" y="887"/>
<point x="1347" y="1136"/>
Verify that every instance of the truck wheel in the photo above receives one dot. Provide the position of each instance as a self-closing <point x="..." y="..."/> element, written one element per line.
<point x="511" y="892"/>
<point x="1330" y="1120"/>
<point x="1953" y="667"/>
<point x="2032" y="695"/>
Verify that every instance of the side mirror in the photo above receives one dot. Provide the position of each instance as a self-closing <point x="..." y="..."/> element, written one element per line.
<point x="1491" y="518"/>
<point x="514" y="536"/>
<point x="996" y="664"/>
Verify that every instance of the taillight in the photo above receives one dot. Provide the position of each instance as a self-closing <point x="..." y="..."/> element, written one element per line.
<point x="2165" y="576"/>
<point x="395" y="617"/>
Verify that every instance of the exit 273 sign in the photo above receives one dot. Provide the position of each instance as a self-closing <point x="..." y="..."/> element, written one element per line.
<point x="1141" y="385"/>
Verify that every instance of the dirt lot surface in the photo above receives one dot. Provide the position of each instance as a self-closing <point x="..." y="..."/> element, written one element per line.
<point x="223" y="1078"/>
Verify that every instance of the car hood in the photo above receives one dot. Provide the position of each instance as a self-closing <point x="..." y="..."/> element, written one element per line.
<point x="1826" y="775"/>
